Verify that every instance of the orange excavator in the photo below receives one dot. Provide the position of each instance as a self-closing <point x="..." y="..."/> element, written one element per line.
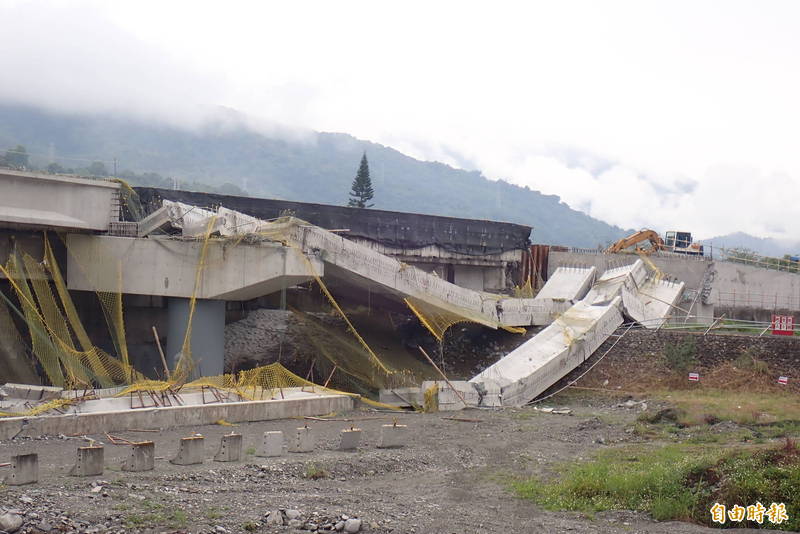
<point x="678" y="242"/>
<point x="656" y="243"/>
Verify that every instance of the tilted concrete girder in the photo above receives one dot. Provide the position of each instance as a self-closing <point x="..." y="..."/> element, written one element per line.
<point x="33" y="200"/>
<point x="168" y="267"/>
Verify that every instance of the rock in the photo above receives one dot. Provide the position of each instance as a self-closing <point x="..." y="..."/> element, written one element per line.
<point x="292" y="514"/>
<point x="10" y="522"/>
<point x="338" y="527"/>
<point x="220" y="529"/>
<point x="352" y="526"/>
<point x="97" y="489"/>
<point x="274" y="518"/>
<point x="44" y="526"/>
<point x="295" y="523"/>
<point x="26" y="499"/>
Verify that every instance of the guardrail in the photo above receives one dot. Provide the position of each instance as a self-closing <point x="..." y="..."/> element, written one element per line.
<point x="710" y="324"/>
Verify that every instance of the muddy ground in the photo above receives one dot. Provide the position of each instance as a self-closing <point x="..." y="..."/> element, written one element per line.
<point x="452" y="477"/>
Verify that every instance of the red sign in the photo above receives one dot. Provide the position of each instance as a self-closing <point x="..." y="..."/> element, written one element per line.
<point x="783" y="380"/>
<point x="694" y="377"/>
<point x="783" y="325"/>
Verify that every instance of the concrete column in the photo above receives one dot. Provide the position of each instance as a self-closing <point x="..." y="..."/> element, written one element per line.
<point x="191" y="451"/>
<point x="393" y="436"/>
<point x="141" y="458"/>
<point x="272" y="445"/>
<point x="24" y="470"/>
<point x="208" y="334"/>
<point x="303" y="440"/>
<point x="230" y="448"/>
<point x="90" y="462"/>
<point x="350" y="439"/>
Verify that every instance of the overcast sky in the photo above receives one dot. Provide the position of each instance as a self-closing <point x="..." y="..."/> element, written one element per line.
<point x="672" y="115"/>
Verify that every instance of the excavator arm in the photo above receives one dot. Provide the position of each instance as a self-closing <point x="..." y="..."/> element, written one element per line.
<point x="656" y="243"/>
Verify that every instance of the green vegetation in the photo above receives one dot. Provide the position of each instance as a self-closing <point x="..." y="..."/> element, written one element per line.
<point x="700" y="406"/>
<point x="361" y="191"/>
<point x="156" y="514"/>
<point x="251" y="451"/>
<point x="681" y="357"/>
<point x="249" y="526"/>
<point x="315" y="472"/>
<point x="315" y="169"/>
<point x="675" y="482"/>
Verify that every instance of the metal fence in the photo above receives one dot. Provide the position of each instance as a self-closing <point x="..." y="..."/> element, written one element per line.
<point x="763" y="301"/>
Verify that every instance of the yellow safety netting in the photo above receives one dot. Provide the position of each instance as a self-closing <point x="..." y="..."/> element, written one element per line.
<point x="69" y="359"/>
<point x="525" y="291"/>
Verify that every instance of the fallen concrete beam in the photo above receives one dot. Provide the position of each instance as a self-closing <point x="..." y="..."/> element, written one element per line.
<point x="552" y="353"/>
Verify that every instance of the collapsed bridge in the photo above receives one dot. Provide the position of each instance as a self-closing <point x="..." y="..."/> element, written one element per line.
<point x="200" y="258"/>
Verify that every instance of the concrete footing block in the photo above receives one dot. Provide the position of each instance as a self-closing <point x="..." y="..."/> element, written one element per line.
<point x="303" y="440"/>
<point x="90" y="462"/>
<point x="191" y="451"/>
<point x="350" y="439"/>
<point x="24" y="470"/>
<point x="271" y="444"/>
<point x="142" y="457"/>
<point x="230" y="448"/>
<point x="393" y="436"/>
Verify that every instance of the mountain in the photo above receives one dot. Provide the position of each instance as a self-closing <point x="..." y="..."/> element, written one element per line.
<point x="766" y="246"/>
<point x="315" y="167"/>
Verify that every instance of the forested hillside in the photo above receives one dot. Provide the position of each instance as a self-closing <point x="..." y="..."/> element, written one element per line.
<point x="318" y="167"/>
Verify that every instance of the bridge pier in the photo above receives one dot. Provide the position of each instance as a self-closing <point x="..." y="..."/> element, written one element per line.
<point x="207" y="340"/>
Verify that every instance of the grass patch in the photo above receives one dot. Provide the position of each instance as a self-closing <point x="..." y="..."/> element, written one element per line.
<point x="315" y="472"/>
<point x="698" y="407"/>
<point x="157" y="515"/>
<point x="675" y="482"/>
<point x="251" y="451"/>
<point x="681" y="357"/>
<point x="214" y="513"/>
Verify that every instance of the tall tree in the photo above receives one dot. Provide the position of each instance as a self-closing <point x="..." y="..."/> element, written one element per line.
<point x="361" y="191"/>
<point x="97" y="168"/>
<point x="17" y="157"/>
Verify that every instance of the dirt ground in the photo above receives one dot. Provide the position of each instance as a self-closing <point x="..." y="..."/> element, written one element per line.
<point x="450" y="478"/>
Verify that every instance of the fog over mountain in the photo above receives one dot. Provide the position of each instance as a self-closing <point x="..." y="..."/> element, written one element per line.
<point x="312" y="167"/>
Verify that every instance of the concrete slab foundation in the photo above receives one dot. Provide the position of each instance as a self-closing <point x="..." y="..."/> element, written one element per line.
<point x="30" y="392"/>
<point x="24" y="470"/>
<point x="297" y="405"/>
<point x="406" y="397"/>
<point x="191" y="451"/>
<point x="350" y="439"/>
<point x="142" y="457"/>
<point x="230" y="448"/>
<point x="393" y="436"/>
<point x="90" y="462"/>
<point x="303" y="440"/>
